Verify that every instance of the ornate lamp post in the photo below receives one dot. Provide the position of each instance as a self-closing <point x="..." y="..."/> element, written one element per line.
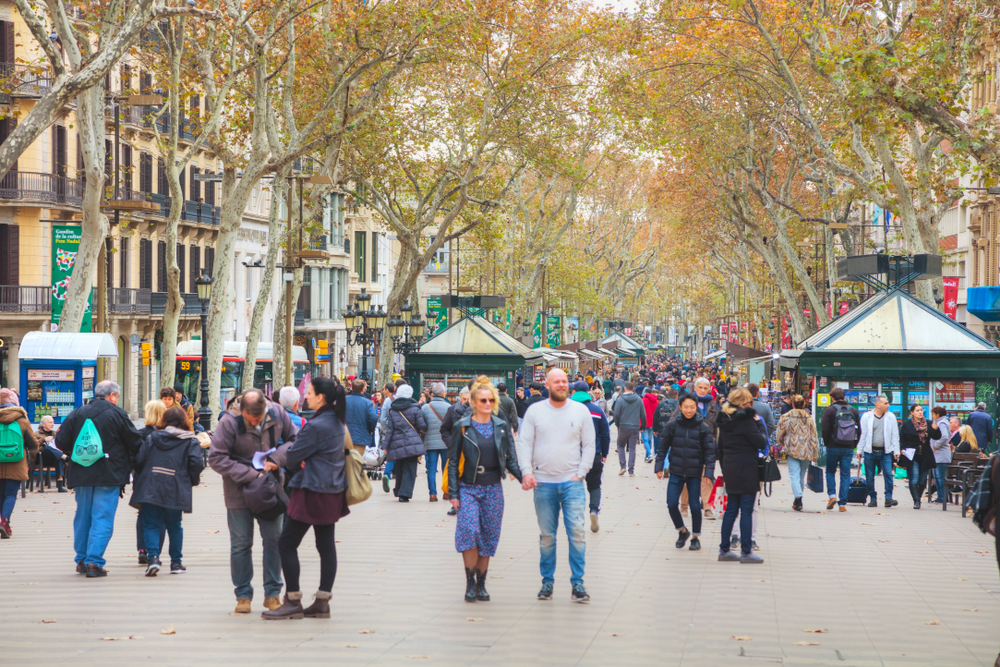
<point x="364" y="327"/>
<point x="204" y="284"/>
<point x="431" y="322"/>
<point x="406" y="332"/>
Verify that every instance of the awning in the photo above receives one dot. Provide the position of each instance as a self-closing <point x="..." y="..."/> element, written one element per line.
<point x="714" y="355"/>
<point x="68" y="346"/>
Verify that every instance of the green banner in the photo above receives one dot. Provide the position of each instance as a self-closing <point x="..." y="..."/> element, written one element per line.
<point x="441" y="322"/>
<point x="65" y="244"/>
<point x="553" y="331"/>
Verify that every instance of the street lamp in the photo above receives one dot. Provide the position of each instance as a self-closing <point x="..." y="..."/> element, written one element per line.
<point x="204" y="284"/>
<point x="405" y="331"/>
<point x="364" y="327"/>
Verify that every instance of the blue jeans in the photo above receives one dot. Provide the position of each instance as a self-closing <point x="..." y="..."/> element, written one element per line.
<point x="241" y="557"/>
<point x="11" y="488"/>
<point x="389" y="467"/>
<point x="94" y="522"/>
<point x="154" y="518"/>
<point x="838" y="457"/>
<point x="647" y="440"/>
<point x="675" y="485"/>
<point x="884" y="461"/>
<point x="939" y="474"/>
<point x="797" y="470"/>
<point x="572" y="498"/>
<point x="433" y="456"/>
<point x="742" y="504"/>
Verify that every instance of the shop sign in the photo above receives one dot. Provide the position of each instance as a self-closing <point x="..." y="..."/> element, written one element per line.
<point x="45" y="374"/>
<point x="65" y="244"/>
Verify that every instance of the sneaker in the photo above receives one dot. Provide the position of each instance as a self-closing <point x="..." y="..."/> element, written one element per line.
<point x="621" y="472"/>
<point x="830" y="503"/>
<point x="873" y="503"/>
<point x="5" y="531"/>
<point x="594" y="526"/>
<point x="403" y="500"/>
<point x="734" y="542"/>
<point x="143" y="560"/>
<point x="153" y="567"/>
<point x="753" y="545"/>
<point x="751" y="558"/>
<point x="682" y="538"/>
<point x="631" y="474"/>
<point x="385" y="483"/>
<point x="843" y="509"/>
<point x="728" y="556"/>
<point x="695" y="544"/>
<point x="546" y="592"/>
<point x="889" y="502"/>
<point x="452" y="512"/>
<point x="177" y="568"/>
<point x="709" y="515"/>
<point x="579" y="594"/>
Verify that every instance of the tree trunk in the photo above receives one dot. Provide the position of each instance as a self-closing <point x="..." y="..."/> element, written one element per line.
<point x="281" y="327"/>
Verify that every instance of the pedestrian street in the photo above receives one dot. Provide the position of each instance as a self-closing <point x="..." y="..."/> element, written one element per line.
<point x="868" y="587"/>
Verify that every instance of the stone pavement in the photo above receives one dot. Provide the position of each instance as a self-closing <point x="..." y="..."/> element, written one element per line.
<point x="887" y="587"/>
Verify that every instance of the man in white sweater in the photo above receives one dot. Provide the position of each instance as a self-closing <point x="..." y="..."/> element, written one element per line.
<point x="555" y="452"/>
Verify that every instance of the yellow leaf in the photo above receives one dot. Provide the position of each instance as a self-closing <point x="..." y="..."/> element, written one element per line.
<point x="169" y="630"/>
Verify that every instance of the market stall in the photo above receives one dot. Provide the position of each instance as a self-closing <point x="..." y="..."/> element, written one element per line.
<point x="896" y="345"/>
<point x="58" y="371"/>
<point x="468" y="348"/>
<point x="630" y="353"/>
<point x="543" y="359"/>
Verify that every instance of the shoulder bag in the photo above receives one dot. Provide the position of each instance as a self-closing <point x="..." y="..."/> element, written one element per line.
<point x="461" y="467"/>
<point x="767" y="468"/>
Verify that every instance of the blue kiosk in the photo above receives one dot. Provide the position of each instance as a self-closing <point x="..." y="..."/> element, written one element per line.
<point x="58" y="371"/>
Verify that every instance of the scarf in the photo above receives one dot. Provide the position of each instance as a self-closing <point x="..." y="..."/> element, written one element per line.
<point x="703" y="402"/>
<point x="921" y="426"/>
<point x="180" y="433"/>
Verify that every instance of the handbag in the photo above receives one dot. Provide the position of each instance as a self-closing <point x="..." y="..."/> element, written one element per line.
<point x="359" y="487"/>
<point x="814" y="478"/>
<point x="265" y="497"/>
<point x="461" y="468"/>
<point x="768" y="471"/>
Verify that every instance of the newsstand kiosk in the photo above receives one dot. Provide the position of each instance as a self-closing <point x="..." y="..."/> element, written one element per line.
<point x="58" y="371"/>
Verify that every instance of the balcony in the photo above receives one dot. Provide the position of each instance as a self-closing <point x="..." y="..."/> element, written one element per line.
<point x="158" y="304"/>
<point x="49" y="188"/>
<point x="25" y="299"/>
<point x="25" y="80"/>
<point x="128" y="300"/>
<point x="192" y="211"/>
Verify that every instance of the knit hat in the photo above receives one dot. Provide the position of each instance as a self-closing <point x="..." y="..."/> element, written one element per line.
<point x="8" y="396"/>
<point x="404" y="391"/>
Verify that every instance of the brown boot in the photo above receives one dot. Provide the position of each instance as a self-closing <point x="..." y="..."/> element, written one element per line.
<point x="93" y="570"/>
<point x="292" y="608"/>
<point x="320" y="608"/>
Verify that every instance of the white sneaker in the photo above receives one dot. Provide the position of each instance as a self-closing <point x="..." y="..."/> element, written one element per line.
<point x="594" y="526"/>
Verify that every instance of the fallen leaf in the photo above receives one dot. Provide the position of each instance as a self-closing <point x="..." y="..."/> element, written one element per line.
<point x="883" y="541"/>
<point x="881" y="514"/>
<point x="351" y="646"/>
<point x="807" y="643"/>
<point x="420" y="657"/>
<point x="928" y="541"/>
<point x="169" y="630"/>
<point x="492" y="577"/>
<point x="439" y="525"/>
<point x="973" y="609"/>
<point x="961" y="579"/>
<point x="209" y="530"/>
<point x="474" y="620"/>
<point x="865" y="523"/>
<point x="743" y="638"/>
<point x="934" y="622"/>
<point x="120" y="639"/>
<point x="54" y="620"/>
<point x="366" y="632"/>
<point x="816" y="631"/>
<point x="382" y="570"/>
<point x="30" y="583"/>
<point x="763" y="581"/>
<point x="982" y="552"/>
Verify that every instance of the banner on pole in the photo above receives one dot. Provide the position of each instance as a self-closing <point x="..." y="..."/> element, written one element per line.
<point x="65" y="245"/>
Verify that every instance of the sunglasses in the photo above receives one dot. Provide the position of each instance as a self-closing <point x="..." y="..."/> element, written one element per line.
<point x="486" y="400"/>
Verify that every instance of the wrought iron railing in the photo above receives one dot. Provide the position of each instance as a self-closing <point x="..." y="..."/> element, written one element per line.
<point x="25" y="80"/>
<point x="128" y="300"/>
<point x="159" y="304"/>
<point x="25" y="299"/>
<point x="33" y="186"/>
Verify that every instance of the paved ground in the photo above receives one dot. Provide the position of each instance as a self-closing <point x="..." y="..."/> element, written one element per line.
<point x="887" y="587"/>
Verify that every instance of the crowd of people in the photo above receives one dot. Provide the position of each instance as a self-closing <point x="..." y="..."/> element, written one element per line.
<point x="552" y="437"/>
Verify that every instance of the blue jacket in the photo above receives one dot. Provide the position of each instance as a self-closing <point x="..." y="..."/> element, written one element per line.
<point x="602" y="433"/>
<point x="982" y="427"/>
<point x="361" y="419"/>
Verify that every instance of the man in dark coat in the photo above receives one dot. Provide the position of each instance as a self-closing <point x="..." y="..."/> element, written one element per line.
<point x="602" y="445"/>
<point x="98" y="486"/>
<point x="982" y="426"/>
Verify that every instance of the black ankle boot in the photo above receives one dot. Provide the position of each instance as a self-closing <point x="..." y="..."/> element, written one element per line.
<point x="481" y="593"/>
<point x="470" y="585"/>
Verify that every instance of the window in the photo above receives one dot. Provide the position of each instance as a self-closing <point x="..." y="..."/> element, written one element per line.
<point x="59" y="150"/>
<point x="305" y="294"/>
<point x="109" y="156"/>
<point x="161" y="266"/>
<point x="180" y="178"/>
<point x="195" y="266"/>
<point x="10" y="254"/>
<point x="162" y="187"/>
<point x="334" y="315"/>
<point x="145" y="83"/>
<point x="109" y="263"/>
<point x="195" y="184"/>
<point x="123" y="261"/>
<point x="145" y="172"/>
<point x="359" y="255"/>
<point x="7" y="42"/>
<point x="126" y="80"/>
<point x="375" y="252"/>
<point x="145" y="264"/>
<point x="210" y="261"/>
<point x="126" y="166"/>
<point x="209" y="191"/>
<point x="180" y="265"/>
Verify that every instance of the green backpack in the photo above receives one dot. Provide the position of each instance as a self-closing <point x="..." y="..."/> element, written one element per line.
<point x="88" y="448"/>
<point x="11" y="443"/>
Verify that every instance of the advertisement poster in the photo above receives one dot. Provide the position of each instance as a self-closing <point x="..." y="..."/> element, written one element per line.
<point x="440" y="323"/>
<point x="951" y="297"/>
<point x="553" y="330"/>
<point x="65" y="243"/>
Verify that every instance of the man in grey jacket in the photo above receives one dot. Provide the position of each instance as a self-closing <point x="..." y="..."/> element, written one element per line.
<point x="763" y="409"/>
<point x="630" y="416"/>
<point x="258" y="426"/>
<point x="508" y="411"/>
<point x="434" y="412"/>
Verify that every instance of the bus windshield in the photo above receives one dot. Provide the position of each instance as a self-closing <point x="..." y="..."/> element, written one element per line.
<point x="188" y="374"/>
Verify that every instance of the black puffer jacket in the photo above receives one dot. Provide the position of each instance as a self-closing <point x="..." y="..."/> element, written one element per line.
<point x="168" y="465"/>
<point x="119" y="439"/>
<point x="690" y="446"/>
<point x="741" y="436"/>
<point x="404" y="431"/>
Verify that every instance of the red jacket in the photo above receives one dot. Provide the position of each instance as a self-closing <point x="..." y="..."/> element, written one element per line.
<point x="650" y="401"/>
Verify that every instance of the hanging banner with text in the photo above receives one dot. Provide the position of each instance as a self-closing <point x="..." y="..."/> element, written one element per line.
<point x="65" y="244"/>
<point x="951" y="297"/>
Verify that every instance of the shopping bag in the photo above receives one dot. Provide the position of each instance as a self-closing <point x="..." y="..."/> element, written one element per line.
<point x="814" y="478"/>
<point x="718" y="497"/>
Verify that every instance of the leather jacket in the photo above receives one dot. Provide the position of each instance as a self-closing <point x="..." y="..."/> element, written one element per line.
<point x="465" y="444"/>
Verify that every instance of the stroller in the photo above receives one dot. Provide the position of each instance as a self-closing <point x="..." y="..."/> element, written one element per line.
<point x="373" y="461"/>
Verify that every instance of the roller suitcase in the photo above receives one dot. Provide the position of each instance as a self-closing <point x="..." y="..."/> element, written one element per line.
<point x="857" y="492"/>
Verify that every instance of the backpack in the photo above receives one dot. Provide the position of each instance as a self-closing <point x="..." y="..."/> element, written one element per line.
<point x="847" y="427"/>
<point x="981" y="501"/>
<point x="88" y="448"/>
<point x="11" y="443"/>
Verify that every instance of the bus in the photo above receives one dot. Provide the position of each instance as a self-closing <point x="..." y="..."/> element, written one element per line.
<point x="188" y="368"/>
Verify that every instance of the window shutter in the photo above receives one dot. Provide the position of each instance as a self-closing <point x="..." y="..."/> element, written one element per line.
<point x="145" y="83"/>
<point x="161" y="266"/>
<point x="209" y="191"/>
<point x="80" y="167"/>
<point x="10" y="252"/>
<point x="180" y="265"/>
<point x="7" y="35"/>
<point x="183" y="184"/>
<point x="109" y="163"/>
<point x="162" y="187"/>
<point x="123" y="258"/>
<point x="126" y="166"/>
<point x="145" y="172"/>
<point x="195" y="266"/>
<point x="145" y="264"/>
<point x="109" y="264"/>
<point x="195" y="185"/>
<point x="210" y="261"/>
<point x="59" y="150"/>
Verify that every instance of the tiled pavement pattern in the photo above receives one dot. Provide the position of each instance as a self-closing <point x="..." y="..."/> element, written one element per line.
<point x="872" y="579"/>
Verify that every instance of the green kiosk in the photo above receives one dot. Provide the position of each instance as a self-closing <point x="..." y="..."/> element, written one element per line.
<point x="470" y="347"/>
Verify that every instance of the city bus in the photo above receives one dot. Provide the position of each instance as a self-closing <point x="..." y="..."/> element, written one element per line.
<point x="188" y="368"/>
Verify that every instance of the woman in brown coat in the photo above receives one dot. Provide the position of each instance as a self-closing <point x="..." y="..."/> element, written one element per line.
<point x="797" y="437"/>
<point x="15" y="472"/>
